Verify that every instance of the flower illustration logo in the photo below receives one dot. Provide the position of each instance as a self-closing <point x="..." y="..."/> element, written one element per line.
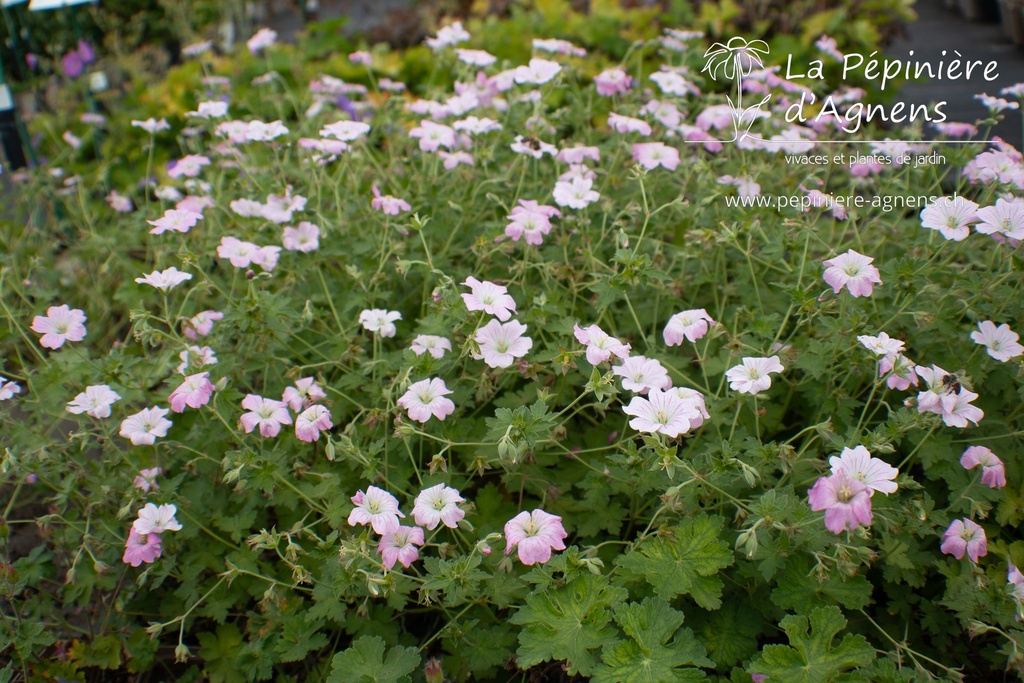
<point x="734" y="60"/>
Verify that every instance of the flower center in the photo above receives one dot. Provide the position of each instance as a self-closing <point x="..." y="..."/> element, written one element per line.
<point x="844" y="494"/>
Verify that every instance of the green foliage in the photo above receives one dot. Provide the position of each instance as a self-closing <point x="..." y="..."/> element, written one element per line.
<point x="812" y="654"/>
<point x="365" y="662"/>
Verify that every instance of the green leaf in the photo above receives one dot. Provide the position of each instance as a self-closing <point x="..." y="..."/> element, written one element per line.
<point x="649" y="657"/>
<point x="567" y="623"/>
<point x="810" y="656"/>
<point x="219" y="652"/>
<point x="683" y="561"/>
<point x="800" y="590"/>
<point x="365" y="662"/>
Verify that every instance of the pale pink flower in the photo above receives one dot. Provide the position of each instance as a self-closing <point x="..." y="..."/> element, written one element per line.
<point x="345" y="130"/>
<point x="641" y="374"/>
<point x="578" y="154"/>
<point x="900" y="369"/>
<point x="664" y="412"/>
<point x="60" y="324"/>
<point x="279" y="208"/>
<point x="151" y="125"/>
<point x="196" y="357"/>
<point x="432" y="344"/>
<point x="145" y="426"/>
<point x="501" y="343"/>
<point x="453" y="159"/>
<point x="627" y="124"/>
<point x="993" y="474"/>
<point x="882" y="345"/>
<point x="380" y="321"/>
<point x="650" y="155"/>
<point x="448" y="36"/>
<point x="263" y="39"/>
<point x="266" y="413"/>
<point x="8" y="389"/>
<point x="399" y="545"/>
<point x="665" y="113"/>
<point x="376" y="507"/>
<point x="538" y="71"/>
<point x="194" y="204"/>
<point x="266" y="257"/>
<point x="201" y="324"/>
<point x="857" y="463"/>
<point x="600" y="345"/>
<point x="612" y="82"/>
<point x="95" y="401"/>
<point x="955" y="129"/>
<point x="174" y="219"/>
<point x="426" y="398"/>
<point x="532" y="147"/>
<point x="577" y="194"/>
<point x="239" y="253"/>
<point x="691" y="325"/>
<point x="305" y="237"/>
<point x="852" y="271"/>
<point x="305" y="393"/>
<point x="830" y="47"/>
<point x="964" y="536"/>
<point x="146" y="479"/>
<point x="846" y="502"/>
<point x="489" y="298"/>
<point x="388" y="205"/>
<point x="433" y="136"/>
<point x="139" y="548"/>
<point x="311" y="421"/>
<point x="752" y="376"/>
<point x="1005" y="218"/>
<point x="529" y="224"/>
<point x="436" y="505"/>
<point x="672" y="83"/>
<point x="188" y="166"/>
<point x="475" y="57"/>
<point x="247" y="208"/>
<point x="194" y="392"/>
<point x="476" y="126"/>
<point x="1000" y="342"/>
<point x="560" y="47"/>
<point x="696" y="399"/>
<point x="164" y="280"/>
<point x="534" y="534"/>
<point x="745" y="185"/>
<point x="213" y="109"/>
<point x="950" y="216"/>
<point x="155" y="519"/>
<point x="361" y="57"/>
<point x="995" y="104"/>
<point x="119" y="202"/>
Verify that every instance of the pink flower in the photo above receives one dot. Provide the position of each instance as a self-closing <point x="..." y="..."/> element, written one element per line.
<point x="857" y="463"/>
<point x="145" y="426"/>
<point x="263" y="39"/>
<point x="95" y="401"/>
<point x="476" y="126"/>
<point x="692" y="324"/>
<point x="164" y="280"/>
<point x="600" y="346"/>
<point x="1000" y="342"/>
<point x="853" y="271"/>
<point x="146" y="479"/>
<point x="436" y="505"/>
<point x="311" y="421"/>
<point x="846" y="502"/>
<point x="151" y="125"/>
<point x="640" y="374"/>
<point x="696" y="399"/>
<point x="346" y="131"/>
<point x="532" y="147"/>
<point x="627" y="124"/>
<point x="964" y="536"/>
<point x="577" y="155"/>
<point x="266" y="413"/>
<point x="194" y="392"/>
<point x="650" y="155"/>
<point x="189" y="166"/>
<point x="752" y="375"/>
<point x="561" y="47"/>
<point x="882" y="345"/>
<point x="501" y="343"/>
<point x="531" y="224"/>
<point x="305" y="393"/>
<point x="247" y="208"/>
<point x="376" y="507"/>
<point x="428" y="343"/>
<point x="489" y="298"/>
<point x="993" y="473"/>
<point x="448" y="36"/>
<point x="537" y="72"/>
<point x="576" y="194"/>
<point x="939" y="398"/>
<point x="900" y="370"/>
<point x="201" y="324"/>
<point x="119" y="202"/>
<point x="266" y="257"/>
<point x="361" y="57"/>
<point x="1005" y="218"/>
<point x="672" y="83"/>
<point x="380" y="321"/>
<point x="453" y="159"/>
<point x="9" y="389"/>
<point x="156" y="520"/>
<point x="612" y="81"/>
<point x="390" y="206"/>
<point x="139" y="548"/>
<point x="426" y="398"/>
<point x="433" y="136"/>
<point x="535" y="534"/>
<point x="399" y="545"/>
<point x="665" y="412"/>
<point x="304" y="238"/>
<point x="950" y="217"/>
<point x="60" y="324"/>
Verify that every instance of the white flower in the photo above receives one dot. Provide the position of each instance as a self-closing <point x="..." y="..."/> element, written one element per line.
<point x="1000" y="342"/>
<point x="94" y="401"/>
<point x="380" y="321"/>
<point x="857" y="463"/>
<point x="752" y="376"/>
<point x="156" y="520"/>
<point x="640" y="374"/>
<point x="165" y="279"/>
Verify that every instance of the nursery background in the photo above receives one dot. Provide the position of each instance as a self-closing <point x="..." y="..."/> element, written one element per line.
<point x="510" y="341"/>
